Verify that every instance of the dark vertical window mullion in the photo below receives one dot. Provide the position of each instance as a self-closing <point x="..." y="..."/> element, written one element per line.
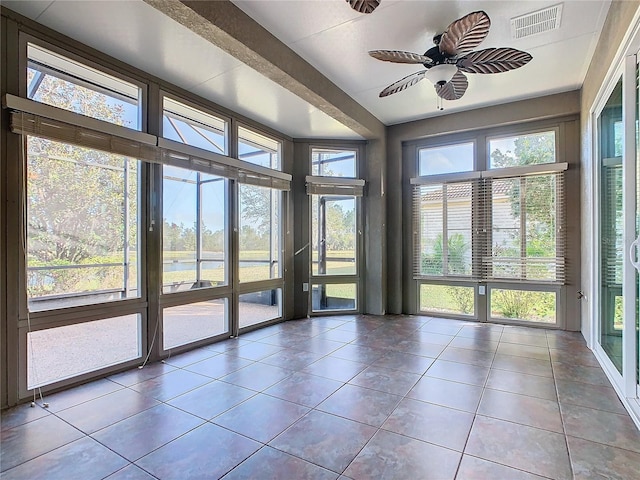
<point x="234" y="239"/>
<point x="523" y="229"/>
<point x="198" y="228"/>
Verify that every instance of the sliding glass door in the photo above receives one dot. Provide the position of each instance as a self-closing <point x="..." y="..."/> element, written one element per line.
<point x="617" y="230"/>
<point x="611" y="231"/>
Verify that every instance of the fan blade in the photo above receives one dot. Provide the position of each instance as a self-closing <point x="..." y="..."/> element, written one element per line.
<point x="465" y="34"/>
<point x="406" y="82"/>
<point x="493" y="60"/>
<point x="454" y="88"/>
<point x="364" y="6"/>
<point x="398" y="56"/>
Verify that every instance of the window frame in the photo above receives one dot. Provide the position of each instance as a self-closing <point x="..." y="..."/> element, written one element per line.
<point x="481" y="162"/>
<point x="149" y="149"/>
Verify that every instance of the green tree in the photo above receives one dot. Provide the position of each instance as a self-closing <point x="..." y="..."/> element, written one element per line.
<point x="250" y="239"/>
<point x="340" y="233"/>
<point x="212" y="241"/>
<point x="528" y="150"/>
<point x="255" y="207"/>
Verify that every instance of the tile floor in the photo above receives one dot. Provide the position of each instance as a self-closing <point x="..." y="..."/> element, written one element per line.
<point x="359" y="397"/>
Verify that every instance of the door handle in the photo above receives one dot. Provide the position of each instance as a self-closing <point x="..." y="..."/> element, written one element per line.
<point x="632" y="257"/>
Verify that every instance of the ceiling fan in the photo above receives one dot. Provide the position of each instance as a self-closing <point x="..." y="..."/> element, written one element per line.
<point x="452" y="57"/>
<point x="364" y="6"/>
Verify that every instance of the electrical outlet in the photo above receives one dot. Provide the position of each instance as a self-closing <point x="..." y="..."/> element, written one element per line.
<point x="482" y="290"/>
<point x="305" y="287"/>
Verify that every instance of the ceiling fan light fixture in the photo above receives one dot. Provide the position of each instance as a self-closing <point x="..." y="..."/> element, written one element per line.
<point x="452" y="57"/>
<point x="441" y="74"/>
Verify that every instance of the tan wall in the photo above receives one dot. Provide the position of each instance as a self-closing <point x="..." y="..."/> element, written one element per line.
<point x="618" y="21"/>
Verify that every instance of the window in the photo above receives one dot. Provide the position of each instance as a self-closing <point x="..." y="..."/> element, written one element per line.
<point x="445" y="159"/>
<point x="190" y="126"/>
<point x="258" y="149"/>
<point x="524" y="222"/>
<point x="82" y="226"/>
<point x="259" y="252"/>
<point x="527" y="305"/>
<point x="64" y="83"/>
<point x="499" y="228"/>
<point x="452" y="299"/>
<point x="194" y="238"/>
<point x="112" y="341"/>
<point x="185" y="324"/>
<point x="444" y="216"/>
<point x="333" y="163"/>
<point x="521" y="150"/>
<point x="88" y="229"/>
<point x="259" y="307"/>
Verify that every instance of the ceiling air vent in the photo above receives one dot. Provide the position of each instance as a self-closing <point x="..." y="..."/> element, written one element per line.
<point x="536" y="22"/>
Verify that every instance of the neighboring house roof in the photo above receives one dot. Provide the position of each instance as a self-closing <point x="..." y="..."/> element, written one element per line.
<point x="463" y="190"/>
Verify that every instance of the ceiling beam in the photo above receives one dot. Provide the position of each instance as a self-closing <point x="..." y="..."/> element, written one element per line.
<point x="227" y="27"/>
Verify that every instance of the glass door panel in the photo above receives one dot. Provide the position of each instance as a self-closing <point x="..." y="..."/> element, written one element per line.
<point x="334" y="250"/>
<point x="333" y="230"/>
<point x="610" y="140"/>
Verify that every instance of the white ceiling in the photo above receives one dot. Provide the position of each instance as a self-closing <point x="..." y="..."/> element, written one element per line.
<point x="335" y="40"/>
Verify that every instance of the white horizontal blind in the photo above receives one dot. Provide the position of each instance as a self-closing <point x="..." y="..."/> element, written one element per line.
<point x="443" y="229"/>
<point x="502" y="229"/>
<point x="612" y="241"/>
<point x="523" y="224"/>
